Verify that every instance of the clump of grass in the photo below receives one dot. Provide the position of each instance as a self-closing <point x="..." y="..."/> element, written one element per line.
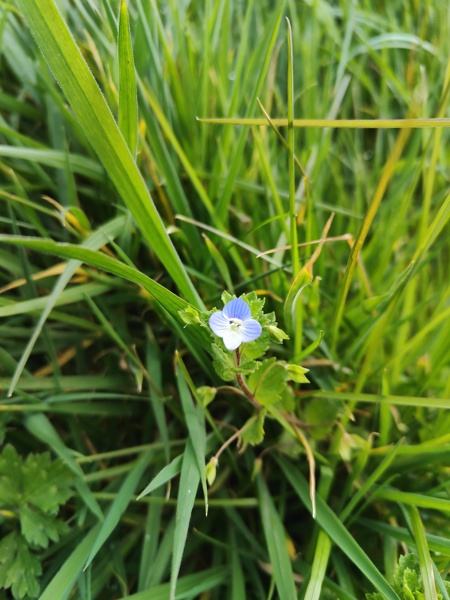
<point x="101" y="247"/>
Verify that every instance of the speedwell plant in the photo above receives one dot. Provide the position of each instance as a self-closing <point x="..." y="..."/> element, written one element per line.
<point x="242" y="334"/>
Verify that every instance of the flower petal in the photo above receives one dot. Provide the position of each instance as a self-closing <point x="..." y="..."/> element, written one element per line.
<point x="250" y="330"/>
<point x="219" y="323"/>
<point x="232" y="339"/>
<point x="237" y="309"/>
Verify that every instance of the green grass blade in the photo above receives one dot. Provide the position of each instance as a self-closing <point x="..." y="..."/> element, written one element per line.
<point x="195" y="423"/>
<point x="166" y="474"/>
<point x="425" y="562"/>
<point x="276" y="544"/>
<point x="189" y="480"/>
<point x="128" y="109"/>
<point x="391" y="399"/>
<point x="41" y="428"/>
<point x="81" y="90"/>
<point x="190" y="586"/>
<point x="222" y="207"/>
<point x="291" y="146"/>
<point x="372" y="210"/>
<point x="334" y="123"/>
<point x="337" y="532"/>
<point x="370" y="482"/>
<point x="66" y="577"/>
<point x="94" y="241"/>
<point x="319" y="567"/>
<point x="119" y="505"/>
<point x="171" y="302"/>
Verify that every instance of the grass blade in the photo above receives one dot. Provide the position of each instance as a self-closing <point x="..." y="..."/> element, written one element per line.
<point x="276" y="544"/>
<point x="65" y="579"/>
<point x="336" y="531"/>
<point x="81" y="90"/>
<point x="119" y="505"/>
<point x="128" y="109"/>
<point x="189" y="480"/>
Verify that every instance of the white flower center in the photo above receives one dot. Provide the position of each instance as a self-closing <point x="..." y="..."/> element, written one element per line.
<point x="234" y="324"/>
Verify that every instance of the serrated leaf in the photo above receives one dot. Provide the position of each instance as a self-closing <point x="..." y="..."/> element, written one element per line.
<point x="254" y="434"/>
<point x="38" y="528"/>
<point x="19" y="569"/>
<point x="287" y="403"/>
<point x="4" y="420"/>
<point x="46" y="483"/>
<point x="225" y="366"/>
<point x="10" y="476"/>
<point x="223" y="363"/>
<point x="268" y="382"/>
<point x="258" y="347"/>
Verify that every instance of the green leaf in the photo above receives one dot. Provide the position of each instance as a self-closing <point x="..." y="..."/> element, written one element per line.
<point x="89" y="106"/>
<point x="277" y="335"/>
<point x="19" y="569"/>
<point x="38" y="528"/>
<point x="276" y="544"/>
<point x="128" y="109"/>
<point x="190" y="316"/>
<point x="10" y="476"/>
<point x="64" y="580"/>
<point x="166" y="474"/>
<point x="38" y="481"/>
<point x="46" y="483"/>
<point x="195" y="421"/>
<point x="334" y="528"/>
<point x="189" y="480"/>
<point x="254" y="434"/>
<point x="168" y="300"/>
<point x="120" y="504"/>
<point x="206" y="394"/>
<point x="425" y="561"/>
<point x="297" y="373"/>
<point x="269" y="382"/>
<point x="302" y="279"/>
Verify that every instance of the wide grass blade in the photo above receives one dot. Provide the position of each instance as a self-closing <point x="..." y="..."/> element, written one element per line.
<point x="168" y="300"/>
<point x="81" y="90"/>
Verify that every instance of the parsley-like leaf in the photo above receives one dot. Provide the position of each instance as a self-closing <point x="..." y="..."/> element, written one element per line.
<point x="19" y="569"/>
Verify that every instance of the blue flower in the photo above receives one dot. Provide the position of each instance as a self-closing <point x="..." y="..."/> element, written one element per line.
<point x="235" y="324"/>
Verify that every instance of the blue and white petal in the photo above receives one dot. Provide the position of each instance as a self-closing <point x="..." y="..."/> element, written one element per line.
<point x="219" y="323"/>
<point x="232" y="339"/>
<point x="250" y="330"/>
<point x="237" y="309"/>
